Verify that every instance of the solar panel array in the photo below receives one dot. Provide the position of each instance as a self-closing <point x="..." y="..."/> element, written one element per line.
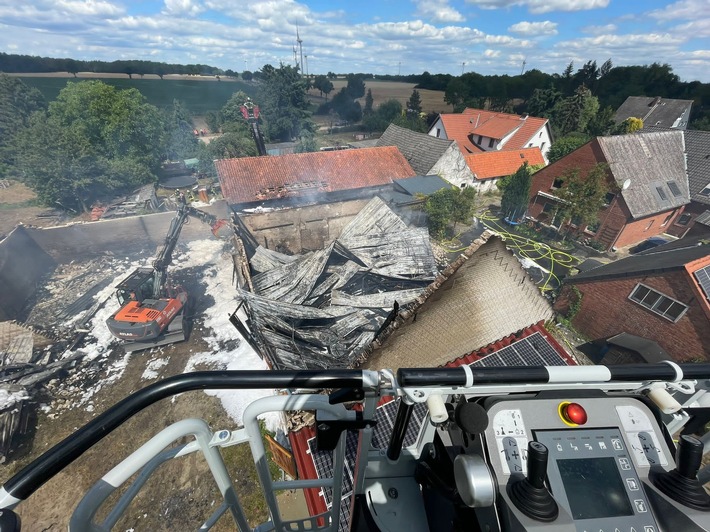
<point x="703" y="277"/>
<point x="533" y="350"/>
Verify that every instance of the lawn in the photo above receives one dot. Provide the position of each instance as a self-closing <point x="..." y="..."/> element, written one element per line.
<point x="199" y="96"/>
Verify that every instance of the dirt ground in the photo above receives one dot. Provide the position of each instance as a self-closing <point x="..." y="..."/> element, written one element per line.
<point x="17" y="205"/>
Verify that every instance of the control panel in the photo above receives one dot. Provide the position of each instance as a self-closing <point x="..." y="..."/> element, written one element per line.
<point x="598" y="453"/>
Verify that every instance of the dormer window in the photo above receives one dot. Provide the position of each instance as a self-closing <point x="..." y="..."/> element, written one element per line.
<point x="706" y="190"/>
<point x="490" y="143"/>
<point x="480" y="139"/>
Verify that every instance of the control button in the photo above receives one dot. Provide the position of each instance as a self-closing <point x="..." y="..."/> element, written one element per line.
<point x="602" y="445"/>
<point x="632" y="484"/>
<point x="640" y="507"/>
<point x="625" y="464"/>
<point x="559" y="447"/>
<point x="649" y="528"/>
<point x="572" y="413"/>
<point x="616" y="444"/>
<point x="632" y="529"/>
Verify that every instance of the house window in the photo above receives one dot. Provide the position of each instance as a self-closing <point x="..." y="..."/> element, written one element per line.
<point x="438" y="132"/>
<point x="650" y="224"/>
<point x="658" y="303"/>
<point x="609" y="198"/>
<point x="683" y="220"/>
<point x="480" y="139"/>
<point x="705" y="191"/>
<point x="668" y="219"/>
<point x="540" y="135"/>
<point x="542" y="146"/>
<point x="490" y="143"/>
<point x="662" y="193"/>
<point x="557" y="183"/>
<point x="548" y="207"/>
<point x="576" y="221"/>
<point x="674" y="188"/>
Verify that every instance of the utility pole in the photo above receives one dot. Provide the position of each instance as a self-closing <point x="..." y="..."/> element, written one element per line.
<point x="245" y="65"/>
<point x="463" y="67"/>
<point x="523" y="69"/>
<point x="306" y="56"/>
<point x="399" y="64"/>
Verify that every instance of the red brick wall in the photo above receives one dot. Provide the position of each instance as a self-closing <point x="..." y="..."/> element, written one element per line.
<point x="644" y="228"/>
<point x="616" y="225"/>
<point x="606" y="311"/>
<point x="694" y="209"/>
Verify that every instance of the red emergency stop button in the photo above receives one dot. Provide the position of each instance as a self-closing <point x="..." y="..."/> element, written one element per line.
<point x="572" y="414"/>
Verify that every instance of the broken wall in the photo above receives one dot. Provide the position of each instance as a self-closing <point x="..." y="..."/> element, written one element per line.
<point x="22" y="264"/>
<point x="302" y="229"/>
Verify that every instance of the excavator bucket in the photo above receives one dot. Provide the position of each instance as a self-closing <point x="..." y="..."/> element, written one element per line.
<point x="222" y="229"/>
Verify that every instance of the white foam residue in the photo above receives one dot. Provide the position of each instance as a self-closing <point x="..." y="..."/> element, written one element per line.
<point x="8" y="398"/>
<point x="529" y="263"/>
<point x="218" y="279"/>
<point x="151" y="370"/>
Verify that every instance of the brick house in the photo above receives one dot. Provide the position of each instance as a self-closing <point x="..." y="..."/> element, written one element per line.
<point x="661" y="294"/>
<point x="647" y="180"/>
<point x="307" y="178"/>
<point x="478" y="131"/>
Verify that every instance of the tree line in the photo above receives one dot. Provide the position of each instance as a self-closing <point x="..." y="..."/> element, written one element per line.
<point x="21" y="64"/>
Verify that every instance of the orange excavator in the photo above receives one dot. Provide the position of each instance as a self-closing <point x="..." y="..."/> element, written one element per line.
<point x="152" y="310"/>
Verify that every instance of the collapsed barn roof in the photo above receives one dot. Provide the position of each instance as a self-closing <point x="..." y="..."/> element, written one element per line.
<point x="321" y="309"/>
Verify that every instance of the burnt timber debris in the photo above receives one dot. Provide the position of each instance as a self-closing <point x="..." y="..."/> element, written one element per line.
<point x="323" y="308"/>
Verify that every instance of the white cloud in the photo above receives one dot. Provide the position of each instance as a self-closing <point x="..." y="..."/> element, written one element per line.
<point x="534" y="29"/>
<point x="183" y="7"/>
<point x="491" y="53"/>
<point x="438" y="11"/>
<point x="89" y="7"/>
<point x="683" y="10"/>
<point x="542" y="6"/>
<point x="600" y="30"/>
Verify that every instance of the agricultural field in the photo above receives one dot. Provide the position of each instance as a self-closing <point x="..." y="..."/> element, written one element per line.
<point x="198" y="95"/>
<point x="432" y="101"/>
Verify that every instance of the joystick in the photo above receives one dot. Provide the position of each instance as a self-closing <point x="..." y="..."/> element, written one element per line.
<point x="682" y="483"/>
<point x="529" y="494"/>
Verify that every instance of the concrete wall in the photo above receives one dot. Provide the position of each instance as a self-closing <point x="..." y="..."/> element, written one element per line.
<point x="302" y="228"/>
<point x="119" y="236"/>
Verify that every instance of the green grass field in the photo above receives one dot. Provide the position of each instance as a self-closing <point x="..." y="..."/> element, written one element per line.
<point x="198" y="96"/>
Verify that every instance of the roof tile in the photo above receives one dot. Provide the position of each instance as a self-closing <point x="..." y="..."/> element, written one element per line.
<point x="248" y="179"/>
<point x="502" y="163"/>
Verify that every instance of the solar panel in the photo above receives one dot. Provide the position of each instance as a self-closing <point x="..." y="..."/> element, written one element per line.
<point x="703" y="277"/>
<point x="533" y="350"/>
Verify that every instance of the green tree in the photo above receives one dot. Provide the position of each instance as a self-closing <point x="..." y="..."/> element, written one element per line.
<point x="603" y="123"/>
<point x="93" y="141"/>
<point x="543" y="101"/>
<point x="17" y="103"/>
<point x="415" y="102"/>
<point x="230" y="145"/>
<point x="573" y="114"/>
<point x="247" y="75"/>
<point x="307" y="143"/>
<point x="565" y="145"/>
<point x="516" y="192"/>
<point x="368" y="103"/>
<point x="389" y="110"/>
<point x="449" y="205"/>
<point x="283" y="102"/>
<point x="356" y="86"/>
<point x="583" y="196"/>
<point x="629" y="125"/>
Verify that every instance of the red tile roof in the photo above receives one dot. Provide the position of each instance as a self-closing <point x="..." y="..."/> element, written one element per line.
<point x="498" y="127"/>
<point x="505" y="342"/>
<point x="458" y="127"/>
<point x="250" y="179"/>
<point x="492" y="164"/>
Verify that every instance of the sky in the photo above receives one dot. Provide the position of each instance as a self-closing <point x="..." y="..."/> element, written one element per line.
<point x="379" y="37"/>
